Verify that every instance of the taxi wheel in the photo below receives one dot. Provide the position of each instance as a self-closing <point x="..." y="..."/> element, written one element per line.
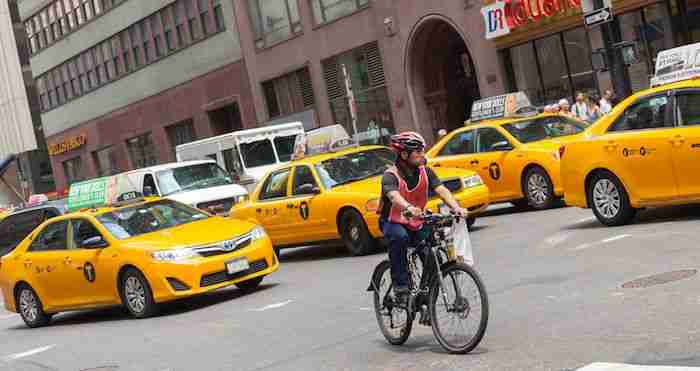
<point x="355" y="234"/>
<point x="470" y="222"/>
<point x="136" y="293"/>
<point x="609" y="200"/>
<point x="538" y="189"/>
<point x="30" y="307"/>
<point x="251" y="284"/>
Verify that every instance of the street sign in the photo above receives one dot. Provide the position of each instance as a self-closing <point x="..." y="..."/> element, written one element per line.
<point x="598" y="17"/>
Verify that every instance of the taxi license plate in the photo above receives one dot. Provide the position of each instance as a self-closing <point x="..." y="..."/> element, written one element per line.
<point x="238" y="265"/>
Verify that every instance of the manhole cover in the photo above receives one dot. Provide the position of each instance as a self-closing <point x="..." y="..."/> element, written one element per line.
<point x="659" y="279"/>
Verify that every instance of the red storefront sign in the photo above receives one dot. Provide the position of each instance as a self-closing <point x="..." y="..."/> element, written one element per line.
<point x="504" y="16"/>
<point x="522" y="12"/>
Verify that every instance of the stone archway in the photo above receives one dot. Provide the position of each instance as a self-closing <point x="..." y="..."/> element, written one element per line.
<point x="441" y="76"/>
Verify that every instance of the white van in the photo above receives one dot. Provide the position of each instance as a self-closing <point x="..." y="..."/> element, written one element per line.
<point x="201" y="184"/>
<point x="246" y="154"/>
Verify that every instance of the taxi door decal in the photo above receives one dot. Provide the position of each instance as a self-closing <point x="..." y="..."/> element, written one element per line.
<point x="89" y="272"/>
<point x="495" y="171"/>
<point x="304" y="210"/>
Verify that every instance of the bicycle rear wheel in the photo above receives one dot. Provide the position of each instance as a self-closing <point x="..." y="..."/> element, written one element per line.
<point x="460" y="314"/>
<point x="396" y="323"/>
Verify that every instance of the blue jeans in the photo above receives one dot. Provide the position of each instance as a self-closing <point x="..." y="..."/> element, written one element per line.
<point x="400" y="238"/>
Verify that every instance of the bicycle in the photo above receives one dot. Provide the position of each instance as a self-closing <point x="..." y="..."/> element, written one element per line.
<point x="443" y="284"/>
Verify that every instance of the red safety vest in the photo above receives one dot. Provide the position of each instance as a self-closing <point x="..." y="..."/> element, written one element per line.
<point x="417" y="197"/>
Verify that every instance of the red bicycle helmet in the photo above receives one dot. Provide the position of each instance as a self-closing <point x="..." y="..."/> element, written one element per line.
<point x="407" y="141"/>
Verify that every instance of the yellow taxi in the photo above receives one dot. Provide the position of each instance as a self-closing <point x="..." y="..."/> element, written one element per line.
<point x="518" y="158"/>
<point x="335" y="195"/>
<point x="136" y="253"/>
<point x="643" y="154"/>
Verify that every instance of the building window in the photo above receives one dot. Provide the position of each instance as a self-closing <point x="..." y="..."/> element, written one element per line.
<point x="203" y="6"/>
<point x="181" y="133"/>
<point x="555" y="78"/>
<point x="366" y="71"/>
<point x="73" y="169"/>
<point x="106" y="161"/>
<point x="329" y="10"/>
<point x="274" y="20"/>
<point x="157" y="38"/>
<point x="142" y="151"/>
<point x="191" y="19"/>
<point x="289" y="94"/>
<point x="219" y="16"/>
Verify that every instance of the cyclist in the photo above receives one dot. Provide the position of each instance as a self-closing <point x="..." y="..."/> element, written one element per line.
<point x="405" y="190"/>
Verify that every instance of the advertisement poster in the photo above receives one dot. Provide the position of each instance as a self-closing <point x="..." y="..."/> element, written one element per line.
<point x="677" y="64"/>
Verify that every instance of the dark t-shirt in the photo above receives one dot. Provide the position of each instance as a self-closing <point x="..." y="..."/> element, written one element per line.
<point x="390" y="183"/>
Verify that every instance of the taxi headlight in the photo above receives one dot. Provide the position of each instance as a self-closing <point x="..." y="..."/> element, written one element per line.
<point x="473" y="181"/>
<point x="174" y="255"/>
<point x="258" y="233"/>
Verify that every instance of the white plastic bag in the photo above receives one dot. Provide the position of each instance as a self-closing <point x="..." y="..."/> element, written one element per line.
<point x="462" y="242"/>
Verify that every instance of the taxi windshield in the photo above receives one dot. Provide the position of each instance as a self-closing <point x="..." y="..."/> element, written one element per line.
<point x="354" y="166"/>
<point x="130" y="222"/>
<point x="189" y="178"/>
<point x="544" y="128"/>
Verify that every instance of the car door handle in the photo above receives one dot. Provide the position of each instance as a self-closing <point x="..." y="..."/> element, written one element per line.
<point x="696" y="145"/>
<point x="437" y="164"/>
<point x="611" y="146"/>
<point x="67" y="260"/>
<point x="677" y="140"/>
<point x="474" y="162"/>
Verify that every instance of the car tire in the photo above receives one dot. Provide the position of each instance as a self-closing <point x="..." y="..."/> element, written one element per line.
<point x="278" y="253"/>
<point x="251" y="284"/>
<point x="538" y="189"/>
<point x="136" y="294"/>
<point x="470" y="222"/>
<point x="521" y="204"/>
<point x="355" y="234"/>
<point x="609" y="200"/>
<point x="30" y="307"/>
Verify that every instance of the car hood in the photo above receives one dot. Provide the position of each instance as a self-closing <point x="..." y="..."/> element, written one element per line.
<point x="197" y="196"/>
<point x="554" y="143"/>
<point x="203" y="232"/>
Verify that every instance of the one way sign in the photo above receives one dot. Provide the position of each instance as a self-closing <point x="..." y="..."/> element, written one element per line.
<point x="598" y="17"/>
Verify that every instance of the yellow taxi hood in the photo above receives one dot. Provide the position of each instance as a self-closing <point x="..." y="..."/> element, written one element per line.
<point x="554" y="143"/>
<point x="373" y="185"/>
<point x="213" y="229"/>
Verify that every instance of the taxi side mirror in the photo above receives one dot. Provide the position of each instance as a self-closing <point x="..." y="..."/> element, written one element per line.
<point x="307" y="189"/>
<point x="96" y="242"/>
<point x="501" y="146"/>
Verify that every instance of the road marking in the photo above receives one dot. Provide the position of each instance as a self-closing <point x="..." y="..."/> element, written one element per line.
<point x="615" y="238"/>
<point x="602" y="366"/>
<point x="556" y="239"/>
<point x="272" y="306"/>
<point x="8" y="316"/>
<point x="28" y="353"/>
<point x="365" y="308"/>
<point x="601" y="242"/>
<point x="585" y="220"/>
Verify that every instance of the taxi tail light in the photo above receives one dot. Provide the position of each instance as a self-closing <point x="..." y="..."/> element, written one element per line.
<point x="562" y="150"/>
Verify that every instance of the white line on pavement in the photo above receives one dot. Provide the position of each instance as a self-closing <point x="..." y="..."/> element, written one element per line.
<point x="615" y="238"/>
<point x="601" y="242"/>
<point x="365" y="308"/>
<point x="601" y="366"/>
<point x="272" y="306"/>
<point x="585" y="220"/>
<point x="28" y="353"/>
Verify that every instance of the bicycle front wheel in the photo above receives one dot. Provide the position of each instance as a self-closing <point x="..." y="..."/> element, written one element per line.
<point x="394" y="321"/>
<point x="459" y="310"/>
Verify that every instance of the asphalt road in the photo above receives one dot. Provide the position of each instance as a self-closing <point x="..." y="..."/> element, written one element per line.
<point x="554" y="280"/>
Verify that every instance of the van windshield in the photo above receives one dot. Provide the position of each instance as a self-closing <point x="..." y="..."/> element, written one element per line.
<point x="189" y="178"/>
<point x="262" y="152"/>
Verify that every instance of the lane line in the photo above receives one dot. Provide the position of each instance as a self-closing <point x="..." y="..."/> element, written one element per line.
<point x="604" y="366"/>
<point x="585" y="220"/>
<point x="272" y="306"/>
<point x="615" y="238"/>
<point x="16" y="356"/>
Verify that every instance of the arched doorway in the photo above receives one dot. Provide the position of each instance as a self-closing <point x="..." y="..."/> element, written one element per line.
<point x="442" y="80"/>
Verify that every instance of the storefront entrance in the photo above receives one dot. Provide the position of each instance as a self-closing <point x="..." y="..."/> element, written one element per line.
<point x="441" y="76"/>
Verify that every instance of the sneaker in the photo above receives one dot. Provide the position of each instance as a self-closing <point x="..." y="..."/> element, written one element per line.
<point x="401" y="296"/>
